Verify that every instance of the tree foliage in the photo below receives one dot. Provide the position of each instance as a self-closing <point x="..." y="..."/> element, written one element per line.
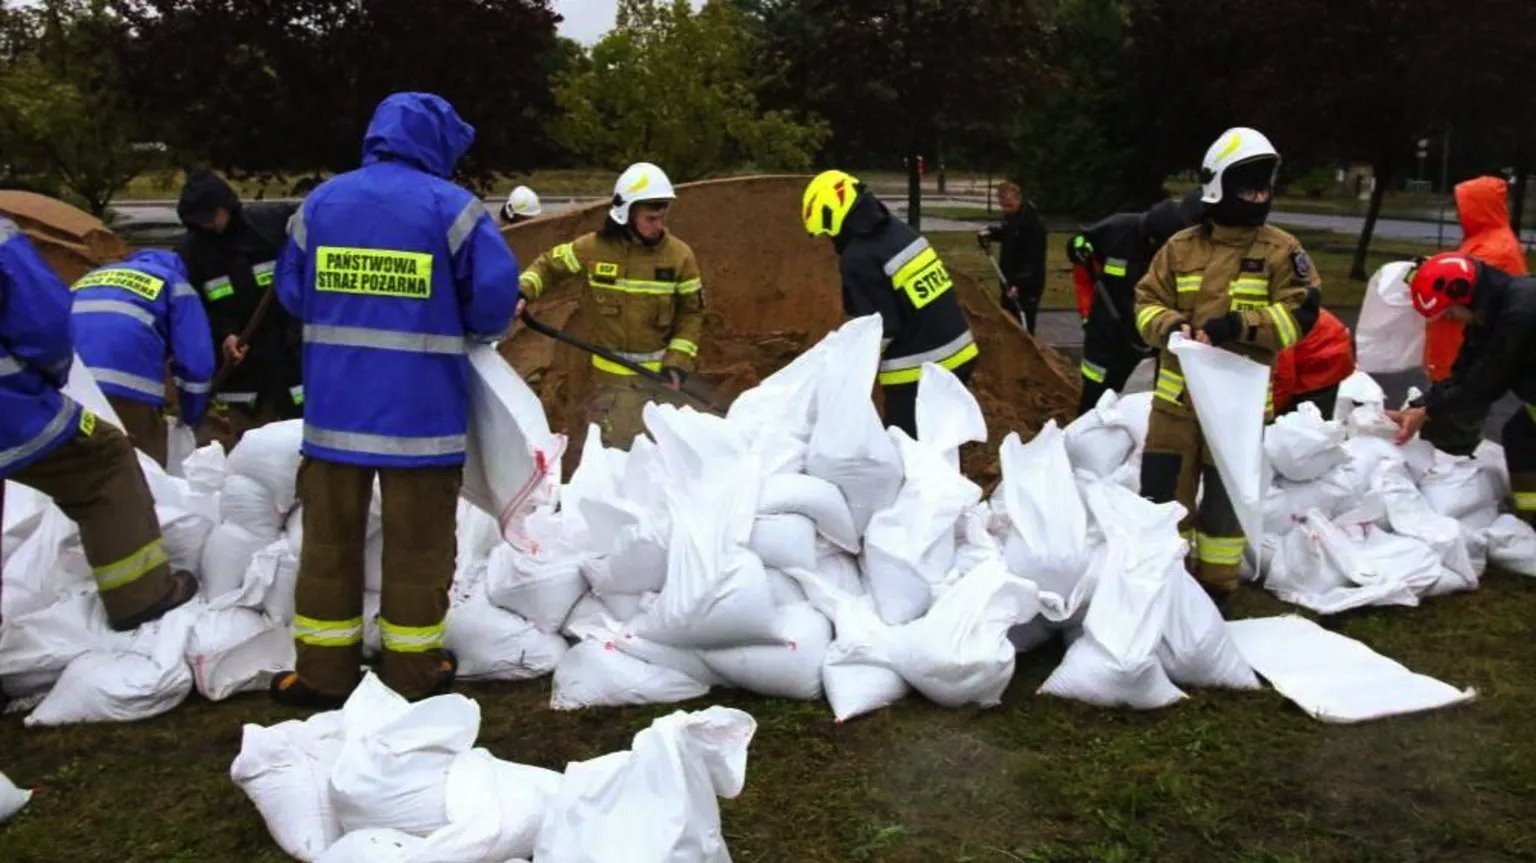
<point x="674" y="86"/>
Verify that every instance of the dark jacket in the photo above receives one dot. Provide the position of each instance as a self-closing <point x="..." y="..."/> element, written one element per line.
<point x="231" y="271"/>
<point x="1123" y="247"/>
<point x="1499" y="352"/>
<point x="889" y="269"/>
<point x="1021" y="256"/>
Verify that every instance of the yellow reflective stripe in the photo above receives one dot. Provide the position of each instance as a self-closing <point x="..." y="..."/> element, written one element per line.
<point x="690" y="286"/>
<point x="1285" y="325"/>
<point x="411" y="639"/>
<point x="637" y="286"/>
<point x="1115" y="267"/>
<point x="565" y="253"/>
<point x="131" y="568"/>
<point x="613" y="368"/>
<point x="1525" y="501"/>
<point x="1093" y="372"/>
<point x="1170" y="386"/>
<point x="1219" y="550"/>
<point x="683" y="346"/>
<point x="1250" y="288"/>
<point x="534" y="281"/>
<point x="1189" y="284"/>
<point x="1146" y="316"/>
<point x="913" y="267"/>
<point x="328" y="633"/>
<point x="951" y="362"/>
<point x="1530" y="411"/>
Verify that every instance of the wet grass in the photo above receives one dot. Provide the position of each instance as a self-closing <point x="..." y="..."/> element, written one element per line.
<point x="1222" y="776"/>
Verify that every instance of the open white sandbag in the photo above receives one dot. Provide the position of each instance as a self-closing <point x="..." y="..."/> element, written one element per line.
<point x="959" y="652"/>
<point x="597" y="674"/>
<point x="857" y="675"/>
<point x="789" y="669"/>
<point x="784" y="540"/>
<point x="512" y="460"/>
<point x="12" y="799"/>
<point x="655" y="802"/>
<point x="1100" y="441"/>
<point x="1196" y="649"/>
<point x="227" y="554"/>
<point x="115" y="685"/>
<point x="1389" y="335"/>
<point x="1049" y="540"/>
<point x="690" y="445"/>
<point x="1302" y="446"/>
<point x="542" y="586"/>
<point x="285" y="771"/>
<point x="817" y="499"/>
<point x="393" y="767"/>
<point x="492" y="643"/>
<point x="947" y="413"/>
<point x="233" y="649"/>
<point x="1356" y="390"/>
<point x="1229" y="392"/>
<point x="848" y="446"/>
<point x="494" y="809"/>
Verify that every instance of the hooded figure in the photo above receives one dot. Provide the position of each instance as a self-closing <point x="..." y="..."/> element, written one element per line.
<point x="390" y="268"/>
<point x="1482" y="204"/>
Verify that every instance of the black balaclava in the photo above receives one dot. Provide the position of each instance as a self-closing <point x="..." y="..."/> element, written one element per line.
<point x="1232" y="210"/>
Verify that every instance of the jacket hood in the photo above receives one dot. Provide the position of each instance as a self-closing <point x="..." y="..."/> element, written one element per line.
<point x="1483" y="205"/>
<point x="160" y="259"/>
<point x="203" y="193"/>
<point x="867" y="214"/>
<point x="420" y="129"/>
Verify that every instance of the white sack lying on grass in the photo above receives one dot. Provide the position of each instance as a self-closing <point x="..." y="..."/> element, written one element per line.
<point x="597" y="674"/>
<point x="858" y="673"/>
<point x="1512" y="545"/>
<point x="492" y="643"/>
<point x="12" y="799"/>
<point x="789" y="669"/>
<point x="655" y="802"/>
<point x="1334" y="678"/>
<point x="285" y="771"/>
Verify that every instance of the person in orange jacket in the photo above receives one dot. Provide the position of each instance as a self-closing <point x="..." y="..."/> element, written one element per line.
<point x="1312" y="369"/>
<point x="1482" y="204"/>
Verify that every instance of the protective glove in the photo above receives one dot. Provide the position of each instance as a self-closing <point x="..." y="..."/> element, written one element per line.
<point x="1219" y="331"/>
<point x="1080" y="251"/>
<point x="676" y="376"/>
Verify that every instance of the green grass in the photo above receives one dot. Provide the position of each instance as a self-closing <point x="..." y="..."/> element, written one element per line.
<point x="1223" y="776"/>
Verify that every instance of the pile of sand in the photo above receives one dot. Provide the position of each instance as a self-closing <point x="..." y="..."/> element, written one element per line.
<point x="772" y="292"/>
<point x="72" y="241"/>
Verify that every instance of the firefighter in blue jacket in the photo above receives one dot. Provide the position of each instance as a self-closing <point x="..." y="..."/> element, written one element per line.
<point x="49" y="443"/>
<point x="129" y="318"/>
<point x="390" y="268"/>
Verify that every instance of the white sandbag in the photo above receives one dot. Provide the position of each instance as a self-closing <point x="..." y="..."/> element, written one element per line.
<point x="512" y="462"/>
<point x="1196" y="649"/>
<point x="1229" y="392"/>
<point x="1301" y="446"/>
<point x="1100" y="441"/>
<point x="1511" y="545"/>
<point x="783" y="541"/>
<point x="206" y="469"/>
<point x="656" y="802"/>
<point x="270" y="456"/>
<point x="848" y="446"/>
<point x="1334" y="678"/>
<point x="1136" y="413"/>
<point x="492" y="643"/>
<point x="1490" y="457"/>
<point x="857" y="675"/>
<point x="285" y="771"/>
<point x="690" y="445"/>
<point x="11" y="798"/>
<point x="542" y="587"/>
<point x="1409" y="515"/>
<point x="1049" y="541"/>
<point x="1286" y="502"/>
<point x="374" y="845"/>
<point x="785" y="590"/>
<point x="477" y="534"/>
<point x="1458" y="487"/>
<point x="840" y="569"/>
<point x="42" y="553"/>
<point x="789" y="669"/>
<point x="1389" y="335"/>
<point x="270" y="581"/>
<point x="817" y="499"/>
<point x="36" y="647"/>
<point x="947" y="413"/>
<point x="109" y="685"/>
<point x="776" y="415"/>
<point x="233" y="649"/>
<point x="494" y="809"/>
<point x="1090" y="674"/>
<point x="227" y="554"/>
<point x="589" y="612"/>
<point x="1356" y="390"/>
<point x="959" y="652"/>
<point x="185" y="535"/>
<point x="394" y="762"/>
<point x="634" y="554"/>
<point x="598" y="674"/>
<point x="246" y="502"/>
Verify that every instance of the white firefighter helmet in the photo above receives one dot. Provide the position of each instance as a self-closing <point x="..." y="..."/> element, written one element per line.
<point x="640" y="182"/>
<point x="523" y="202"/>
<point x="1234" y="147"/>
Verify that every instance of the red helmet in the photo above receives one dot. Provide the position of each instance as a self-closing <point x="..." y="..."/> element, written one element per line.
<point x="1443" y="281"/>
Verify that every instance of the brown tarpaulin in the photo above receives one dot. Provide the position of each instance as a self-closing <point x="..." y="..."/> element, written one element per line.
<point x="72" y="241"/>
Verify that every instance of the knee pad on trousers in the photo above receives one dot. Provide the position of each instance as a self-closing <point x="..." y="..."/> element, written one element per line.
<point x="1160" y="475"/>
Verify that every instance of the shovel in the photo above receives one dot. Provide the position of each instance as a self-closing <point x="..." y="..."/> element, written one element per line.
<point x="698" y="400"/>
<point x="1003" y="280"/>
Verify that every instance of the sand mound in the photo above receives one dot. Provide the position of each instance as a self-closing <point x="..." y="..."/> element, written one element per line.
<point x="771" y="292"/>
<point x="72" y="241"/>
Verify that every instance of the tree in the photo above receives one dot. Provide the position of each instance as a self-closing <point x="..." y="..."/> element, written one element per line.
<point x="274" y="86"/>
<point x="61" y="104"/>
<point x="673" y="86"/>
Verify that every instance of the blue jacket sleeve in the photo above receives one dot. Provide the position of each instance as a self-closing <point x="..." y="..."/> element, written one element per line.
<point x="485" y="274"/>
<point x="35" y="323"/>
<point x="191" y="352"/>
<point x="292" y="266"/>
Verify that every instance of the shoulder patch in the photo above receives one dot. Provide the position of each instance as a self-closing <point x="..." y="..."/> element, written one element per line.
<point x="1301" y="265"/>
<point x="1251" y="265"/>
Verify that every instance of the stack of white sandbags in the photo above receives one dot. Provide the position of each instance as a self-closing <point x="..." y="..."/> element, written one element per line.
<point x="386" y="780"/>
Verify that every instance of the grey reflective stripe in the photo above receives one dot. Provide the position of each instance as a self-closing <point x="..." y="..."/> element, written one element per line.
<point x="50" y="431"/>
<point x="938" y="354"/>
<point x="115" y="307"/>
<point x="8" y="230"/>
<point x="137" y="383"/>
<point x="652" y="357"/>
<point x="296" y="230"/>
<point x="885" y="343"/>
<point x="9" y="366"/>
<point x="377" y="444"/>
<point x="237" y="398"/>
<point x="194" y="389"/>
<point x="905" y="255"/>
<point x="385" y="340"/>
<point x="464" y="224"/>
<point x="212" y="286"/>
<point x="266" y="267"/>
<point x="182" y="289"/>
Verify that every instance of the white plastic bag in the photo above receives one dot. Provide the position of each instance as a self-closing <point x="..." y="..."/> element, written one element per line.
<point x="1389" y="336"/>
<point x="656" y="802"/>
<point x="1302" y="447"/>
<point x="1049" y="541"/>
<point x="848" y="446"/>
<point x="512" y="462"/>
